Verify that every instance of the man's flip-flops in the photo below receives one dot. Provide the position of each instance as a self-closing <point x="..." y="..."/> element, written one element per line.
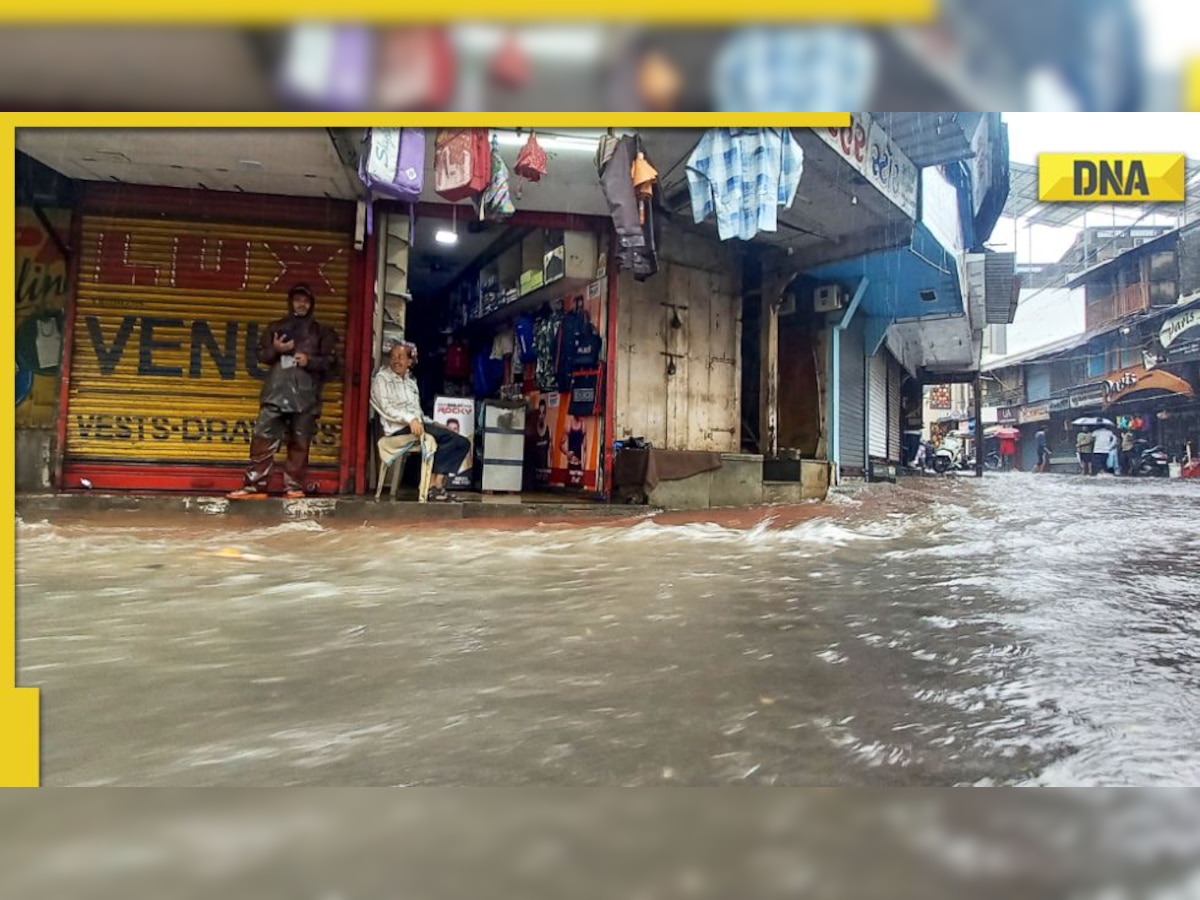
<point x="245" y="494"/>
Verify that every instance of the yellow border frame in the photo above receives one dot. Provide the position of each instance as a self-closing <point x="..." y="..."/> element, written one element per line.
<point x="20" y="731"/>
<point x="273" y="12"/>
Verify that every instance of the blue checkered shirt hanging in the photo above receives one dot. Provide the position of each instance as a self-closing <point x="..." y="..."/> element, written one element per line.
<point x="742" y="176"/>
<point x="804" y="69"/>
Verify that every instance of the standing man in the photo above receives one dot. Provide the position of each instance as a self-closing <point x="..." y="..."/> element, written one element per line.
<point x="1043" y="451"/>
<point x="1083" y="448"/>
<point x="301" y="353"/>
<point x="1008" y="453"/>
<point x="1104" y="442"/>
<point x="397" y="399"/>
<point x="1127" y="452"/>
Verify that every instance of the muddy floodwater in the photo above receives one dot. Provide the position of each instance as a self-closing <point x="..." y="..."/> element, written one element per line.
<point x="1018" y="630"/>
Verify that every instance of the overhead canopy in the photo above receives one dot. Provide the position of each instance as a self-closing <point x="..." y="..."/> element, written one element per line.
<point x="311" y="162"/>
<point x="915" y="281"/>
<point x="1023" y="200"/>
<point x="931" y="138"/>
<point x="837" y="214"/>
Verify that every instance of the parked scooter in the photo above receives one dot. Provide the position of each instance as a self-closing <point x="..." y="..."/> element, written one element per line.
<point x="952" y="454"/>
<point x="1149" y="461"/>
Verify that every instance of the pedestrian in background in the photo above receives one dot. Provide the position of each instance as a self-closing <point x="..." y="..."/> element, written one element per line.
<point x="1127" y="439"/>
<point x="1008" y="453"/>
<point x="1104" y="442"/>
<point x="1043" y="451"/>
<point x="1083" y="449"/>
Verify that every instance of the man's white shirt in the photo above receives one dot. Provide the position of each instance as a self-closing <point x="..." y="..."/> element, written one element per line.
<point x="396" y="399"/>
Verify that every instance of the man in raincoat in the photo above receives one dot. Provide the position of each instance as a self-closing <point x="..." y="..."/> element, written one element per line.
<point x="301" y="353"/>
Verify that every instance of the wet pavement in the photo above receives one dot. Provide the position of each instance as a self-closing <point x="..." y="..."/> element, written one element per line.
<point x="1019" y="630"/>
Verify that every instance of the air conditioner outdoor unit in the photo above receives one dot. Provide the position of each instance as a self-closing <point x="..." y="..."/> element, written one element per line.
<point x="828" y="297"/>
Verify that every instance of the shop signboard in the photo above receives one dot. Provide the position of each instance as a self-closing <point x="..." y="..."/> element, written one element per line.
<point x="1178" y="325"/>
<point x="1006" y="415"/>
<point x="1092" y="395"/>
<point x="1182" y="352"/>
<point x="870" y="152"/>
<point x="1137" y="378"/>
<point x="1034" y="412"/>
<point x="458" y="414"/>
<point x="1059" y="404"/>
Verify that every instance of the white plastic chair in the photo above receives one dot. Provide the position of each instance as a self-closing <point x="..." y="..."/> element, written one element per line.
<point x="392" y="453"/>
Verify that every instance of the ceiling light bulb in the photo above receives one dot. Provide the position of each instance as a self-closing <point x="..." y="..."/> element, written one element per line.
<point x="445" y="237"/>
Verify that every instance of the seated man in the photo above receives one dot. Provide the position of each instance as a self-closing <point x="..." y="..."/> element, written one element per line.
<point x="397" y="400"/>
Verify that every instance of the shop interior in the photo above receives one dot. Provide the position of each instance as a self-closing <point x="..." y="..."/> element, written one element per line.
<point x="509" y="317"/>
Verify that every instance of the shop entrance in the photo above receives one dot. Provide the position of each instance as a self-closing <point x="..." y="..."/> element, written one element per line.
<point x="512" y="323"/>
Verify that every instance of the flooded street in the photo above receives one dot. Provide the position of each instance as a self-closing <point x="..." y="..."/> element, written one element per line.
<point x="1022" y="630"/>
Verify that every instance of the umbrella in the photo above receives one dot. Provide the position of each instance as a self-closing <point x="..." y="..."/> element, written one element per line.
<point x="1004" y="432"/>
<point x="1093" y="420"/>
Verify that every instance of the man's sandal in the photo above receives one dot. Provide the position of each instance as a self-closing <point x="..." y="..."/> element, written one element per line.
<point x="245" y="494"/>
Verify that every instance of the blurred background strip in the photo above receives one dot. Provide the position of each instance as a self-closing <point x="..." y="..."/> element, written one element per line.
<point x="1061" y="55"/>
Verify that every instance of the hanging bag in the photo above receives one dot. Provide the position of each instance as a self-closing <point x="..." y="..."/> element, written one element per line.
<point x="587" y="392"/>
<point x="461" y="163"/>
<point x="393" y="163"/>
<point x="531" y="161"/>
<point x="496" y="201"/>
<point x="585" y="347"/>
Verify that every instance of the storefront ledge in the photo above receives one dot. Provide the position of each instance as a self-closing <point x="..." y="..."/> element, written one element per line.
<point x="35" y="506"/>
<point x="738" y="483"/>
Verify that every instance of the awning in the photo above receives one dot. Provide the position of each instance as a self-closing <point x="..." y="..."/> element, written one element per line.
<point x="912" y="282"/>
<point x="930" y="138"/>
<point x="1138" y="380"/>
<point x="1047" y="351"/>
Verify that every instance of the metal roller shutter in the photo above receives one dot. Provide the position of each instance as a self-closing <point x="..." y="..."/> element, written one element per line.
<point x="168" y="313"/>
<point x="895" y="376"/>
<point x="852" y="397"/>
<point x="877" y="408"/>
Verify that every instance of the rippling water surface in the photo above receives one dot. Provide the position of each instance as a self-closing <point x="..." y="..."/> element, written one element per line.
<point x="1022" y="630"/>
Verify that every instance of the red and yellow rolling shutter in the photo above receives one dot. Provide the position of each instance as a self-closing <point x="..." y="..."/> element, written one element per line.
<point x="164" y="372"/>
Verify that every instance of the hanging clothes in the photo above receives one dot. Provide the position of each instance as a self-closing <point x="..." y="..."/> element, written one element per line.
<point x="636" y="238"/>
<point x="644" y="177"/>
<point x="743" y="176"/>
<point x="545" y="335"/>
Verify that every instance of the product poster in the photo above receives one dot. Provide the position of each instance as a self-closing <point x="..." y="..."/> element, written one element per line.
<point x="541" y="431"/>
<point x="458" y="414"/>
<point x="577" y="449"/>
